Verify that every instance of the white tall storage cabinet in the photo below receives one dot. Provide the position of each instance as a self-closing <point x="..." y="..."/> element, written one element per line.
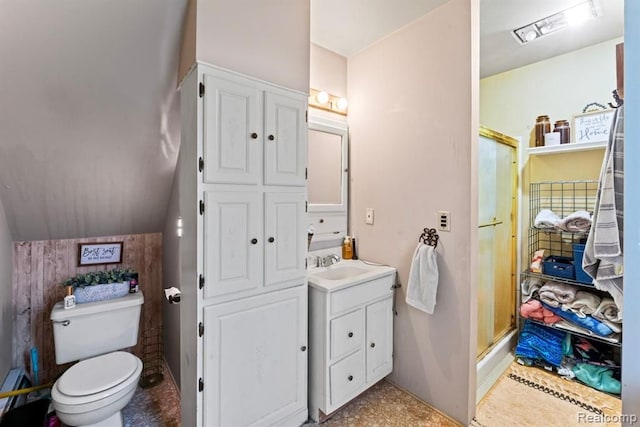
<point x="243" y="195"/>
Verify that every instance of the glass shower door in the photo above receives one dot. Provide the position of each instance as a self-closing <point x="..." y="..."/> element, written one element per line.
<point x="496" y="234"/>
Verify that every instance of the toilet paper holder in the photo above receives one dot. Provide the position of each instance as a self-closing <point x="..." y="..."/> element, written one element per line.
<point x="172" y="295"/>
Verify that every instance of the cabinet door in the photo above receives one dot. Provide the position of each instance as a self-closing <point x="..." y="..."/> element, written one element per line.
<point x="379" y="344"/>
<point x="285" y="237"/>
<point x="255" y="359"/>
<point x="285" y="145"/>
<point x="233" y="242"/>
<point x="232" y="134"/>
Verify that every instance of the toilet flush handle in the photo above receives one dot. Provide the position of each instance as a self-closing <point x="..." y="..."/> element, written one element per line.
<point x="63" y="323"/>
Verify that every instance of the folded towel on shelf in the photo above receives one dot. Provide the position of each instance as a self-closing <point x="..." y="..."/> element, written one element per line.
<point x="579" y="221"/>
<point x="423" y="279"/>
<point x="533" y="309"/>
<point x="587" y="322"/>
<point x="567" y="325"/>
<point x="546" y="218"/>
<point x="529" y="288"/>
<point x="583" y="304"/>
<point x="607" y="312"/>
<point x="555" y="293"/>
<point x="539" y="342"/>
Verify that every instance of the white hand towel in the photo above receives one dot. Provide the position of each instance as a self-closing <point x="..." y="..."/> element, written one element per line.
<point x="423" y="279"/>
<point x="546" y="218"/>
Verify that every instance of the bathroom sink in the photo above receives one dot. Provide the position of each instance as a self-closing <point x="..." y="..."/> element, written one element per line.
<point x="346" y="273"/>
<point x="341" y="272"/>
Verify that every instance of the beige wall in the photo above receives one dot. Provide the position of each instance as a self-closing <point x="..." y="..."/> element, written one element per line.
<point x="171" y="277"/>
<point x="268" y="39"/>
<point x="328" y="71"/>
<point x="413" y="122"/>
<point x="188" y="45"/>
<point x="6" y="308"/>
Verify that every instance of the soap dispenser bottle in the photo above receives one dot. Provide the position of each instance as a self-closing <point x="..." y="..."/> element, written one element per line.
<point x="70" y="299"/>
<point x="347" y="249"/>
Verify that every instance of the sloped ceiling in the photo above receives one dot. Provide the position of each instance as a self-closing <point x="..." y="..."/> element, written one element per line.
<point x="89" y="115"/>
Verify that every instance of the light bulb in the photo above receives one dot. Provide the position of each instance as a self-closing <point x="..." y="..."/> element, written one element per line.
<point x="322" y="97"/>
<point x="342" y="104"/>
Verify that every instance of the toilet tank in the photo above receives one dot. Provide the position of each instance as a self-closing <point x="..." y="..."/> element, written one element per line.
<point x="95" y="328"/>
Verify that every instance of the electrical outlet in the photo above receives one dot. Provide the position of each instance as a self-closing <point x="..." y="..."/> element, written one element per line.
<point x="368" y="219"/>
<point x="444" y="221"/>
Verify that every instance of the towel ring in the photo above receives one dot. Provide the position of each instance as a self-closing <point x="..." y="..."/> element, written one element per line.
<point x="429" y="237"/>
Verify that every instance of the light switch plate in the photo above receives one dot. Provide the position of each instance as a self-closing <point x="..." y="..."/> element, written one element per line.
<point x="444" y="221"/>
<point x="368" y="219"/>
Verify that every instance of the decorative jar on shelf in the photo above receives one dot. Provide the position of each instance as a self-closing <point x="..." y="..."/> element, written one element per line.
<point x="563" y="128"/>
<point x="543" y="125"/>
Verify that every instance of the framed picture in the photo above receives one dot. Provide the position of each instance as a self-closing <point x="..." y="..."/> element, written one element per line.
<point x="99" y="253"/>
<point x="593" y="126"/>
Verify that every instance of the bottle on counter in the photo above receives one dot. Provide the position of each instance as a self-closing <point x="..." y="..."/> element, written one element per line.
<point x="543" y="125"/>
<point x="563" y="128"/>
<point x="70" y="299"/>
<point x="347" y="248"/>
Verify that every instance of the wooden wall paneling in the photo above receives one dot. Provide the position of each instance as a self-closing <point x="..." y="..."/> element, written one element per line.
<point x="22" y="306"/>
<point x="48" y="360"/>
<point x="37" y="303"/>
<point x="40" y="268"/>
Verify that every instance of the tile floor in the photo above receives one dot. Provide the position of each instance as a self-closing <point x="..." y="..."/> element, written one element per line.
<point x="157" y="406"/>
<point x="385" y="405"/>
<point x="381" y="405"/>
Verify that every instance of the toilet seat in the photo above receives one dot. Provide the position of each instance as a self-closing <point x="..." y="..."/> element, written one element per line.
<point x="96" y="382"/>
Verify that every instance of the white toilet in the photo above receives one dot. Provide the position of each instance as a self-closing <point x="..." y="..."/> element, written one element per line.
<point x="93" y="391"/>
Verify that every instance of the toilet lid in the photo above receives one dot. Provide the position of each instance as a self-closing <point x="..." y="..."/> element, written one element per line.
<point x="97" y="374"/>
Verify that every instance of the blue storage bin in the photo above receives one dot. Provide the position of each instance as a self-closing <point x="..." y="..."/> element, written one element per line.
<point x="559" y="266"/>
<point x="581" y="276"/>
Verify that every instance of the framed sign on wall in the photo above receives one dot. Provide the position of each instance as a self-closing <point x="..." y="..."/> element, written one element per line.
<point x="99" y="253"/>
<point x="593" y="126"/>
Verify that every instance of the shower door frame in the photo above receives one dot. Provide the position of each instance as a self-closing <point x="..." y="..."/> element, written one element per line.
<point x="515" y="220"/>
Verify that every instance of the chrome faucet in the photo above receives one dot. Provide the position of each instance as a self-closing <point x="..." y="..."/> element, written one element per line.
<point x="331" y="259"/>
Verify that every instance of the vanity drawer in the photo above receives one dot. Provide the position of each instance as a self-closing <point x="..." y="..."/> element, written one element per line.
<point x="347" y="333"/>
<point x="357" y="295"/>
<point x="346" y="378"/>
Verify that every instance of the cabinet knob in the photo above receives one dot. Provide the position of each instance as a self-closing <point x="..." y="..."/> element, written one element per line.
<point x="254" y="241"/>
<point x="350" y="334"/>
<point x="350" y="377"/>
<point x="372" y="344"/>
<point x="272" y="239"/>
<point x="303" y="348"/>
<point x="254" y="135"/>
<point x="271" y="137"/>
<point x="321" y="221"/>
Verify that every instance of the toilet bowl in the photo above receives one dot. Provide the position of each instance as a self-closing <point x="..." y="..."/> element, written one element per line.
<point x="94" y="391"/>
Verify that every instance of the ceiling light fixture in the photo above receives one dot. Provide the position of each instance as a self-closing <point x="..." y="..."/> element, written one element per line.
<point x="573" y="16"/>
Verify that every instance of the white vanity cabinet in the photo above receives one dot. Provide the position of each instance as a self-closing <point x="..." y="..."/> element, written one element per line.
<point x="350" y="337"/>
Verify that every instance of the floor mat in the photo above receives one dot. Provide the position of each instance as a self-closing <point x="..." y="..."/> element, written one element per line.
<point x="531" y="396"/>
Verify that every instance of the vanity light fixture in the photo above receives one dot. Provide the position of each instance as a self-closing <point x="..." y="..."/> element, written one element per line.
<point x="575" y="15"/>
<point x="325" y="101"/>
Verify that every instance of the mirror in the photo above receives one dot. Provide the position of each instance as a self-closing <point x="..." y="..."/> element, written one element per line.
<point x="327" y="174"/>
